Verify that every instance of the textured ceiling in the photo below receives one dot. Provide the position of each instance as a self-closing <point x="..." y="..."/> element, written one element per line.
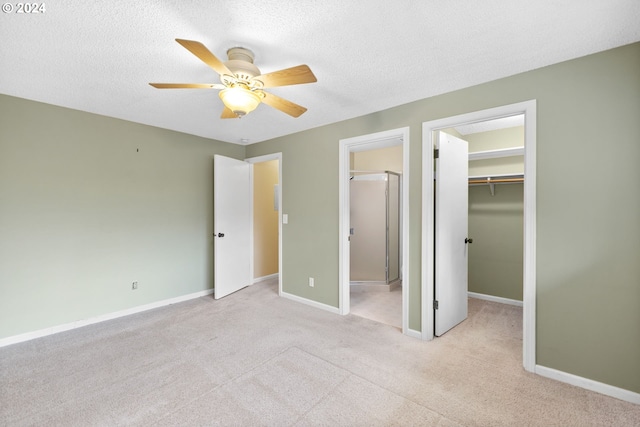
<point x="368" y="55"/>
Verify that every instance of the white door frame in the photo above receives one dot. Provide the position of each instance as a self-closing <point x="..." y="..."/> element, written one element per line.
<point x="372" y="141"/>
<point x="260" y="159"/>
<point x="528" y="108"/>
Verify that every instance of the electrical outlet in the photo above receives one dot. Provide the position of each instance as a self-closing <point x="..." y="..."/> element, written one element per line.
<point x="134" y="286"/>
<point x="311" y="282"/>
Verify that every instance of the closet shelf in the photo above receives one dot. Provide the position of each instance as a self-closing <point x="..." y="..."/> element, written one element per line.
<point x="496" y="154"/>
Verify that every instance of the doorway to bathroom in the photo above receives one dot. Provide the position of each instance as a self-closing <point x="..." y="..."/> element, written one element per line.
<point x="373" y="227"/>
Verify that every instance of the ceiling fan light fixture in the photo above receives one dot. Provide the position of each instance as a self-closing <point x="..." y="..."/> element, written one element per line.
<point x="240" y="100"/>
<point x="241" y="82"/>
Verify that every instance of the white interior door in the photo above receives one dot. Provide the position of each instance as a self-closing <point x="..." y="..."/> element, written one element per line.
<point x="232" y="224"/>
<point x="451" y="217"/>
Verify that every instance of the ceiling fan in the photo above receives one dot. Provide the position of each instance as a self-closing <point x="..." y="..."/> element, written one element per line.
<point x="242" y="86"/>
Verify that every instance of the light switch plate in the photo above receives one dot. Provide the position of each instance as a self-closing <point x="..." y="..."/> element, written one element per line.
<point x="285" y="218"/>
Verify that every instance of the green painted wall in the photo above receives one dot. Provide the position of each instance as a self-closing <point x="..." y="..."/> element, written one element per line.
<point x="495" y="139"/>
<point x="588" y="232"/>
<point x="496" y="226"/>
<point x="89" y="204"/>
<point x="492" y="140"/>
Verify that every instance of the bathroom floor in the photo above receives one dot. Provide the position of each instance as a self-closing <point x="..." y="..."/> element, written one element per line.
<point x="381" y="306"/>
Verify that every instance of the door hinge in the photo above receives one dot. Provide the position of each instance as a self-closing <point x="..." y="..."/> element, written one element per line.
<point x="435" y="304"/>
<point x="436" y="153"/>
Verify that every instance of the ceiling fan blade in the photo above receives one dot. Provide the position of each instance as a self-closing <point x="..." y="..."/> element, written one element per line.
<point x="283" y="105"/>
<point x="228" y="114"/>
<point x="289" y="76"/>
<point x="199" y="50"/>
<point x="187" y="85"/>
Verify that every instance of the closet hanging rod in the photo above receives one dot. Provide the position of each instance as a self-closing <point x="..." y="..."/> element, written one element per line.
<point x="495" y="180"/>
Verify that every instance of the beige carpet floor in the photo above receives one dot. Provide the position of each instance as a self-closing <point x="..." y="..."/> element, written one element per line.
<point x="255" y="359"/>
<point x="381" y="306"/>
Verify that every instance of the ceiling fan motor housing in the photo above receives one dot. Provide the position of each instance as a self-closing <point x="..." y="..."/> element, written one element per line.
<point x="241" y="63"/>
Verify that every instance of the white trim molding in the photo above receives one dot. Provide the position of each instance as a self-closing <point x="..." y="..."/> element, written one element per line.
<point x="97" y="319"/>
<point x="311" y="303"/>
<point x="492" y="298"/>
<point x="598" y="387"/>
<point x="528" y="108"/>
<point x="413" y="333"/>
<point x="264" y="278"/>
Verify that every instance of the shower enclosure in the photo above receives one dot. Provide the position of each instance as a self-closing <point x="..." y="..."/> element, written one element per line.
<point x="375" y="230"/>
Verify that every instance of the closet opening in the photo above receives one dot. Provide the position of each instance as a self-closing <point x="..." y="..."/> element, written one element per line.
<point x="500" y="243"/>
<point x="479" y="227"/>
<point x="495" y="208"/>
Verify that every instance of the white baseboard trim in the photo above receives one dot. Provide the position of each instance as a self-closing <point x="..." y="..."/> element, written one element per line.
<point x="102" y="318"/>
<point x="263" y="278"/>
<point x="495" y="299"/>
<point x="312" y="303"/>
<point x="413" y="333"/>
<point x="598" y="387"/>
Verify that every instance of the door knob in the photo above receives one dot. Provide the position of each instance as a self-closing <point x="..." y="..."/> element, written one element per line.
<point x="220" y="234"/>
<point x="468" y="240"/>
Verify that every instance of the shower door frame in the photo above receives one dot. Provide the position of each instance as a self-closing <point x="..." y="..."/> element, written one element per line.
<point x="388" y="208"/>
